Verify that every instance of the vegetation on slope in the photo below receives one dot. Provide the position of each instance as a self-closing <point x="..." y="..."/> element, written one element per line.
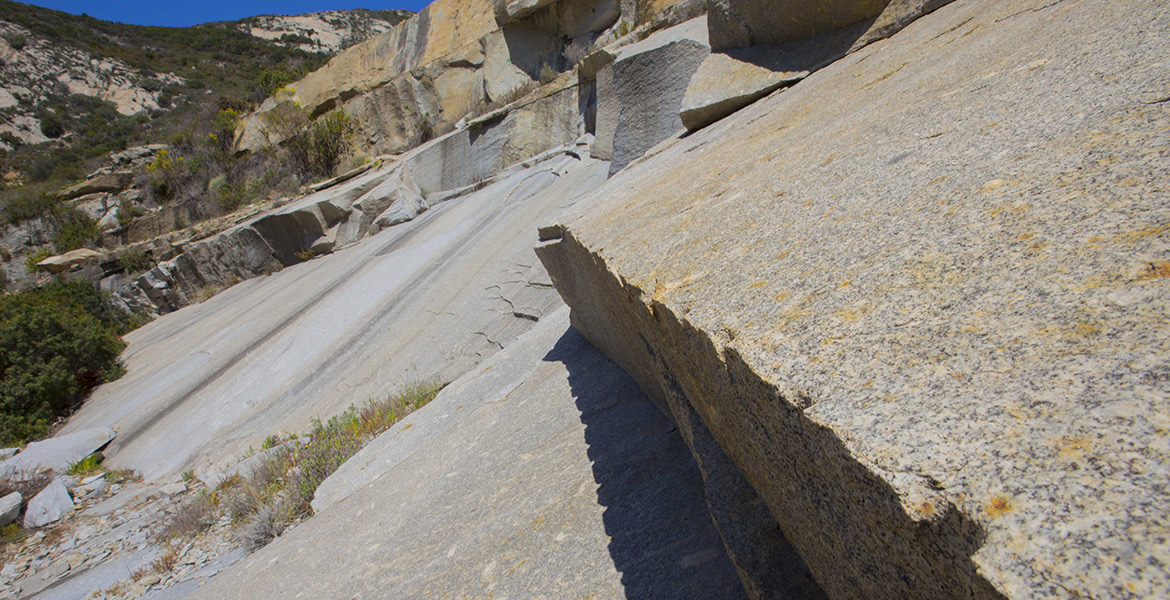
<point x="56" y="343"/>
<point x="224" y="71"/>
<point x="277" y="494"/>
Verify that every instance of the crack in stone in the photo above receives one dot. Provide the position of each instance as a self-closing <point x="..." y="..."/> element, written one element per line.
<point x="1028" y="10"/>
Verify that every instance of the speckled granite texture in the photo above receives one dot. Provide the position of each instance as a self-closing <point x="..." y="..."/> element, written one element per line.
<point x="921" y="299"/>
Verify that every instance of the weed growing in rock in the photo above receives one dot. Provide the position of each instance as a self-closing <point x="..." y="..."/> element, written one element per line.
<point x="194" y="516"/>
<point x="86" y="466"/>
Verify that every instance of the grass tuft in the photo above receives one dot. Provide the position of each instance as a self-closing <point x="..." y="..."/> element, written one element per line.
<point x="278" y="492"/>
<point x="87" y="466"/>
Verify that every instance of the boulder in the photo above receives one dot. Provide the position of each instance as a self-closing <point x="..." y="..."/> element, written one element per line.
<point x="893" y="297"/>
<point x="9" y="508"/>
<point x="58" y="453"/>
<point x="395" y="200"/>
<point x="64" y="262"/>
<point x="404" y="208"/>
<point x="639" y="94"/>
<point x="94" y="486"/>
<point x="108" y="182"/>
<point x="49" y="506"/>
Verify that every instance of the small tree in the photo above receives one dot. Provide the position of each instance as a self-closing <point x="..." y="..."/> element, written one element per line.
<point x="315" y="147"/>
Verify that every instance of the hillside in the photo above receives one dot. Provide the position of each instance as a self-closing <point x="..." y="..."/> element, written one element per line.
<point x="676" y="299"/>
<point x="80" y="96"/>
<point x="323" y="32"/>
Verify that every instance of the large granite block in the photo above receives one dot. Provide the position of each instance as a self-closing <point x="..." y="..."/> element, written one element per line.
<point x="920" y="299"/>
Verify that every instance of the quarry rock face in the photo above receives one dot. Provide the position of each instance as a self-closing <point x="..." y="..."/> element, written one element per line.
<point x="887" y="281"/>
<point x="403" y="87"/>
<point x="738" y="23"/>
<point x="919" y="299"/>
<point x="542" y="473"/>
<point x="393" y="191"/>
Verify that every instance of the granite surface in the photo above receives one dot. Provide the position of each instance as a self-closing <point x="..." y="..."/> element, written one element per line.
<point x="543" y="474"/>
<point x="423" y="300"/>
<point x="921" y="299"/>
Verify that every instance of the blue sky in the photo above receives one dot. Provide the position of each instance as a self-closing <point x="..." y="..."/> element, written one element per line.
<point x="180" y="13"/>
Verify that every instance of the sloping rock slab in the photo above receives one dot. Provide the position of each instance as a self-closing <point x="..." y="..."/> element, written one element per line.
<point x="922" y="300"/>
<point x="108" y="182"/>
<point x="418" y="301"/>
<point x="58" y="453"/>
<point x="726" y="83"/>
<point x="557" y="479"/>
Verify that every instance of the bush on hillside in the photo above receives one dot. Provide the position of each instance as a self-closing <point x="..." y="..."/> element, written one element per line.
<point x="318" y="147"/>
<point x="56" y="343"/>
<point x="74" y="229"/>
<point x="27" y="205"/>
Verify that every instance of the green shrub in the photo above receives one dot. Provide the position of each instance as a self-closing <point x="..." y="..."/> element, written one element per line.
<point x="56" y="342"/>
<point x="167" y="172"/>
<point x="74" y="229"/>
<point x="28" y="205"/>
<point x="274" y="79"/>
<point x="87" y="466"/>
<point x="32" y="258"/>
<point x="135" y="261"/>
<point x="127" y="213"/>
<point x="319" y="149"/>
<point x="16" y="40"/>
<point x="52" y="126"/>
<point x="8" y="138"/>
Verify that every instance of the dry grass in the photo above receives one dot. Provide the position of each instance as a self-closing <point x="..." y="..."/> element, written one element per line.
<point x="28" y="485"/>
<point x="194" y="516"/>
<point x="160" y="566"/>
<point x="278" y="492"/>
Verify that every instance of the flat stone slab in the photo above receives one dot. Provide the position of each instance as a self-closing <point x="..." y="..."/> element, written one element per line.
<point x="57" y="453"/>
<point x="558" y="479"/>
<point x="922" y="299"/>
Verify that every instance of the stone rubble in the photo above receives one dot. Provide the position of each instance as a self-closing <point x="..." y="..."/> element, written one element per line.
<point x="108" y="547"/>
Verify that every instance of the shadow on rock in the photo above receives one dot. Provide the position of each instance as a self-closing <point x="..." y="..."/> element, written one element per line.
<point x="662" y="538"/>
